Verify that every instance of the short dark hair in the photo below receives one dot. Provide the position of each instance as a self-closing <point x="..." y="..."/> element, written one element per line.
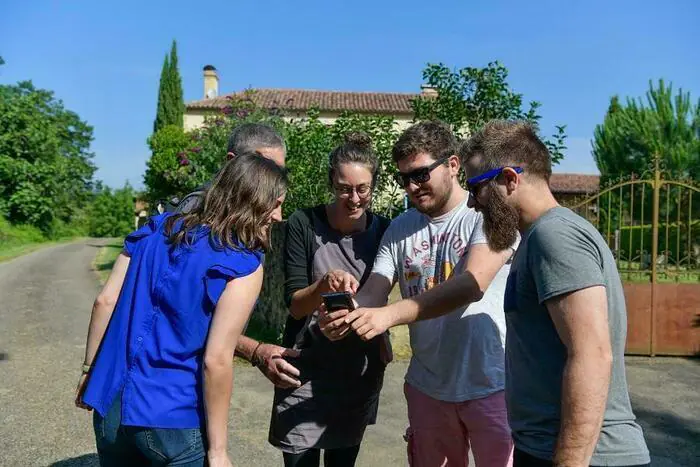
<point x="433" y="137"/>
<point x="501" y="143"/>
<point x="249" y="137"/>
<point x="357" y="148"/>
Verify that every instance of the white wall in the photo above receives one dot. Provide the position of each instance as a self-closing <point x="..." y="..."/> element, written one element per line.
<point x="195" y="119"/>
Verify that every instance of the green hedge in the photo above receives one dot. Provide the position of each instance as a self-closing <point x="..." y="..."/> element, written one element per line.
<point x="638" y="233"/>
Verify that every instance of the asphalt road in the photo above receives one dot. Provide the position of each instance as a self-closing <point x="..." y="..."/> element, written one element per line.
<point x="45" y="301"/>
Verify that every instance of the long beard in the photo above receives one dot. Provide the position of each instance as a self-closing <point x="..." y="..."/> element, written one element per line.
<point x="500" y="222"/>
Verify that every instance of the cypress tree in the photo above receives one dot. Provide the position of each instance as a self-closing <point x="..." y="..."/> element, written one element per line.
<point x="171" y="104"/>
<point x="161" y="112"/>
<point x="176" y="102"/>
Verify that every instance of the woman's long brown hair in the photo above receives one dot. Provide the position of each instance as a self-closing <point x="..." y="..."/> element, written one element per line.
<point x="237" y="206"/>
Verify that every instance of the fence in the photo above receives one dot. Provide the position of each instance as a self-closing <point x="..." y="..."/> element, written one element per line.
<point x="652" y="226"/>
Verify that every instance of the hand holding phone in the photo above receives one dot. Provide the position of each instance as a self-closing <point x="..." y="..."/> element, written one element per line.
<point x="335" y="301"/>
<point x="333" y="327"/>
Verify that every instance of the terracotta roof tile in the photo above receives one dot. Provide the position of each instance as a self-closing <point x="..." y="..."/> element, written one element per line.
<point x="302" y="100"/>
<point x="574" y="183"/>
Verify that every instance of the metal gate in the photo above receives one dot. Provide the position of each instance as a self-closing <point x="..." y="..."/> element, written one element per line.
<point x="652" y="226"/>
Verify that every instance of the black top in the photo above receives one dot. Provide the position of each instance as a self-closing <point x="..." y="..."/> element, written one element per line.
<point x="309" y="229"/>
<point x="340" y="380"/>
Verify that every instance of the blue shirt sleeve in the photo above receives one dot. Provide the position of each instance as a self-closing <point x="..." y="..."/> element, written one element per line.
<point x="232" y="264"/>
<point x="153" y="225"/>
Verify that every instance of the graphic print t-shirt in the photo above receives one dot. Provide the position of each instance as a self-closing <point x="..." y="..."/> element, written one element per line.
<point x="459" y="356"/>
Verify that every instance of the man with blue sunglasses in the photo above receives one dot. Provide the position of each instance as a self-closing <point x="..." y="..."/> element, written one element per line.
<point x="568" y="402"/>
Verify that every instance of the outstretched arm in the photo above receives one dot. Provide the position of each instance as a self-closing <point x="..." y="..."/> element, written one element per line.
<point x="481" y="267"/>
<point x="375" y="292"/>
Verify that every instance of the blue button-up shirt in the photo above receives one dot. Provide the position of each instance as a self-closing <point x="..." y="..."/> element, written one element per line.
<point x="153" y="348"/>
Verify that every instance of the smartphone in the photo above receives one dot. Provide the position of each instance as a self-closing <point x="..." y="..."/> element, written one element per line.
<point x="338" y="301"/>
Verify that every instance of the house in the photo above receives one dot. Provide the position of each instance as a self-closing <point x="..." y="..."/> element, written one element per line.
<point x="295" y="103"/>
<point x="570" y="189"/>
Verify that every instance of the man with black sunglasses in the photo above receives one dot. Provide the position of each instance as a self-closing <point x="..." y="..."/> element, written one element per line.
<point x="454" y="384"/>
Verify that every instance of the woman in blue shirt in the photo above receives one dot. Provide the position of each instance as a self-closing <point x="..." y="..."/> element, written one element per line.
<point x="167" y="321"/>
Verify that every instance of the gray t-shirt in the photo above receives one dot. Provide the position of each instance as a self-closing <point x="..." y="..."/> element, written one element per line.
<point x="562" y="253"/>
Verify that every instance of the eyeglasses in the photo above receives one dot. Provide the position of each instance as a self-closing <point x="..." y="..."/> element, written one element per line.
<point x="475" y="183"/>
<point x="418" y="176"/>
<point x="345" y="191"/>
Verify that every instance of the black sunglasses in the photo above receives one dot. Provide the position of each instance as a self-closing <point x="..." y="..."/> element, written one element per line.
<point x="418" y="176"/>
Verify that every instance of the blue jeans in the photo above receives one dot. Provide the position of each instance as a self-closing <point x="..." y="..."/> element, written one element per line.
<point x="119" y="445"/>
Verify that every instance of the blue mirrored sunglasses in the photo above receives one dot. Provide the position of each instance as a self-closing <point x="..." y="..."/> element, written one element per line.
<point x="490" y="175"/>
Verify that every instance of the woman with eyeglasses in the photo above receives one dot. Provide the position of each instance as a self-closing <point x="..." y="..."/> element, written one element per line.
<point x="331" y="248"/>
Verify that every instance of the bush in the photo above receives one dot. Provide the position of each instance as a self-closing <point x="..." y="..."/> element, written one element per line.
<point x="165" y="172"/>
<point x="181" y="162"/>
<point x="16" y="235"/>
<point x="78" y="227"/>
<point x="638" y="236"/>
<point x="112" y="212"/>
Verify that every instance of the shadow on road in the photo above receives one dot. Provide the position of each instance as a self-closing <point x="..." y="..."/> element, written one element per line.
<point x="4" y="356"/>
<point x="86" y="460"/>
<point x="669" y="435"/>
<point x="105" y="266"/>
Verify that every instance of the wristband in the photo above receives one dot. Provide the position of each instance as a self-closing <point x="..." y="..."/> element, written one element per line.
<point x="252" y="356"/>
<point x="86" y="368"/>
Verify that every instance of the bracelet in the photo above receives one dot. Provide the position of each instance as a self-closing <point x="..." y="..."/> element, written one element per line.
<point x="86" y="368"/>
<point x="252" y="356"/>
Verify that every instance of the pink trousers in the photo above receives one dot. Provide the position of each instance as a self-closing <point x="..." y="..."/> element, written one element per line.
<point x="441" y="433"/>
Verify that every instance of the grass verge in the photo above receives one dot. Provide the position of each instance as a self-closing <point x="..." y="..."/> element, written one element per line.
<point x="105" y="258"/>
<point x="18" y="240"/>
<point x="400" y="340"/>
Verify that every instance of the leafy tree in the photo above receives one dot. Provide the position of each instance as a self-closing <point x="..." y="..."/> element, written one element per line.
<point x="167" y="171"/>
<point x="634" y="131"/>
<point x="171" y="106"/>
<point x="632" y="134"/>
<point x="181" y="161"/>
<point x="112" y="212"/>
<point x="469" y="97"/>
<point x="46" y="166"/>
<point x="309" y="144"/>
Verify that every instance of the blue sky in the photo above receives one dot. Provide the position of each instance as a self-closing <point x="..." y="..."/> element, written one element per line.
<point x="104" y="60"/>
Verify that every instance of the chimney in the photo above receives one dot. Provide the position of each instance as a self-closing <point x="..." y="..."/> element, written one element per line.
<point x="427" y="90"/>
<point x="211" y="82"/>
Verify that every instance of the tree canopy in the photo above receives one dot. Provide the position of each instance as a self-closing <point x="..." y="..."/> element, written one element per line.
<point x="46" y="165"/>
<point x="469" y="97"/>
<point x="636" y="130"/>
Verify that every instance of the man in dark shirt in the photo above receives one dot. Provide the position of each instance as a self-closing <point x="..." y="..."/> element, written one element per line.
<point x="253" y="137"/>
<point x="263" y="139"/>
